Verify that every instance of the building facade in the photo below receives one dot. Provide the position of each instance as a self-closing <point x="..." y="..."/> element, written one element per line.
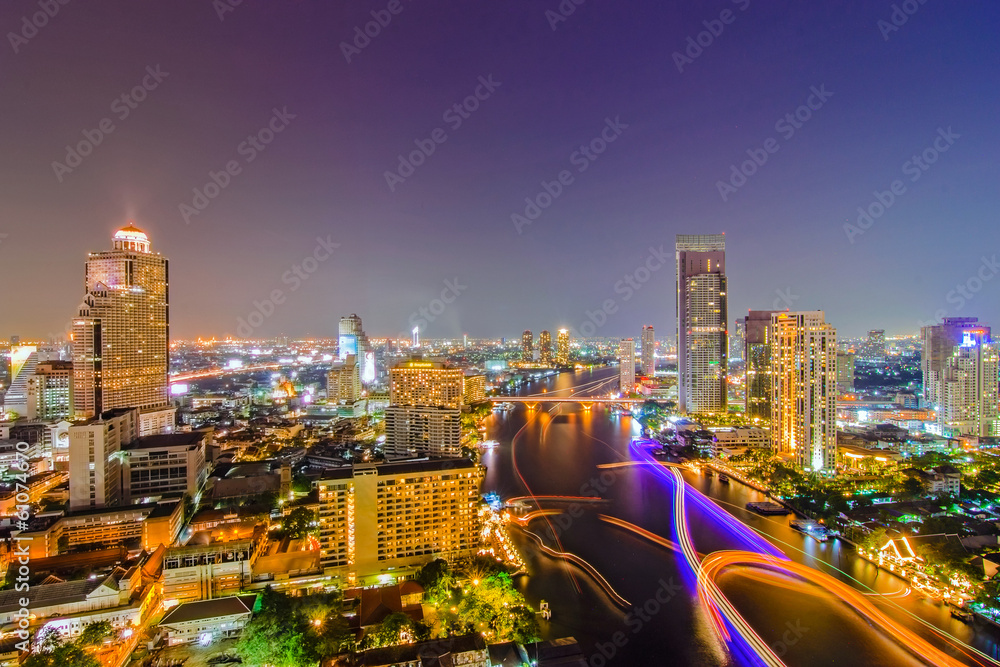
<point x="967" y="387"/>
<point x="804" y="389"/>
<point x="648" y="364"/>
<point x="626" y="366"/>
<point x="545" y="348"/>
<point x="527" y="346"/>
<point x="702" y="313"/>
<point x="95" y="457"/>
<point x="562" y="347"/>
<point x="757" y="364"/>
<point x="938" y="342"/>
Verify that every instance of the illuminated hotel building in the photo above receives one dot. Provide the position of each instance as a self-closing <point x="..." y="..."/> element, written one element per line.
<point x="757" y="363"/>
<point x="121" y="334"/>
<point x="804" y="389"/>
<point x="626" y="366"/>
<point x="648" y="351"/>
<point x="545" y="348"/>
<point x="424" y="417"/>
<point x="967" y="389"/>
<point x="382" y="520"/>
<point x="526" y="345"/>
<point x="562" y="347"/>
<point x="474" y="389"/>
<point x="701" y="323"/>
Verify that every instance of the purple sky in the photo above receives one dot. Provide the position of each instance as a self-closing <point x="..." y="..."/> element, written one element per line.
<point x="323" y="175"/>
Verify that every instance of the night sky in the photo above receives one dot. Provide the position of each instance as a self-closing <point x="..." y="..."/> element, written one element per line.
<point x="886" y="94"/>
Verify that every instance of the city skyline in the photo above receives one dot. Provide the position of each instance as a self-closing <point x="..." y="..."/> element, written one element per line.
<point x="325" y="131"/>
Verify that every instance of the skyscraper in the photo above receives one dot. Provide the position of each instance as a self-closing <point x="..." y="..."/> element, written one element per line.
<point x="737" y="341"/>
<point x="757" y="361"/>
<point x="967" y="388"/>
<point x="121" y="334"/>
<point x="526" y="346"/>
<point x="545" y="348"/>
<point x="626" y="366"/>
<point x="424" y="417"/>
<point x="352" y="340"/>
<point x="343" y="384"/>
<point x="648" y="351"/>
<point x="562" y="347"/>
<point x="845" y="372"/>
<point x="804" y="389"/>
<point x="874" y="346"/>
<point x="701" y="323"/>
<point x="938" y="343"/>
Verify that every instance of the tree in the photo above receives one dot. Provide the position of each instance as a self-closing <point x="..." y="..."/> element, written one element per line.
<point x="292" y="632"/>
<point x="494" y="607"/>
<point x="299" y="522"/>
<point x="54" y="651"/>
<point x="912" y="487"/>
<point x="397" y="628"/>
<point x="94" y="633"/>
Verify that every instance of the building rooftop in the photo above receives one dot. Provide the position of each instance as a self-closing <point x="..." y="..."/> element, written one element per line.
<point x="208" y="610"/>
<point x="167" y="440"/>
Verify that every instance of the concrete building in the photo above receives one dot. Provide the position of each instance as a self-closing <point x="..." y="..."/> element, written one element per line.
<point x="626" y="366"/>
<point x="384" y="520"/>
<point x="207" y="621"/>
<point x="170" y="464"/>
<point x="562" y="347"/>
<point x="474" y="389"/>
<point x="938" y="342"/>
<point x="733" y="441"/>
<point x="95" y="458"/>
<point x="212" y="565"/>
<point x="845" y="373"/>
<point x="527" y="346"/>
<point x="757" y="362"/>
<point x="121" y="333"/>
<point x="545" y="348"/>
<point x="702" y="314"/>
<point x="967" y="387"/>
<point x="648" y="364"/>
<point x="424" y="417"/>
<point x="804" y="389"/>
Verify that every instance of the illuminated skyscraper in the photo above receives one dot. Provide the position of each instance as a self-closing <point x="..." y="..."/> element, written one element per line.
<point x="874" y="348"/>
<point x="757" y="360"/>
<point x="938" y="343"/>
<point x="121" y="334"/>
<point x="737" y="341"/>
<point x="545" y="348"/>
<point x="701" y="323"/>
<point x="967" y="389"/>
<point x="526" y="345"/>
<point x="562" y="347"/>
<point x="424" y="417"/>
<point x="648" y="351"/>
<point x="804" y="389"/>
<point x="343" y="383"/>
<point x="352" y="340"/>
<point x="626" y="366"/>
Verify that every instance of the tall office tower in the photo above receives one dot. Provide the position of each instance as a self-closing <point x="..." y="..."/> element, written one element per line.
<point x="757" y="359"/>
<point x="386" y="519"/>
<point x="50" y="391"/>
<point x="121" y="334"/>
<point x="424" y="417"/>
<point x="526" y="345"/>
<point x="938" y="343"/>
<point x="648" y="364"/>
<point x="874" y="347"/>
<point x="23" y="362"/>
<point x="562" y="347"/>
<point x="701" y="323"/>
<point x="343" y="381"/>
<point x="737" y="341"/>
<point x="545" y="348"/>
<point x="95" y="459"/>
<point x="968" y="387"/>
<point x="804" y="389"/>
<point x="352" y="340"/>
<point x="845" y="373"/>
<point x="626" y="366"/>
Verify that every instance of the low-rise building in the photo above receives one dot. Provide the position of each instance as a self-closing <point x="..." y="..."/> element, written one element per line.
<point x="165" y="464"/>
<point x="207" y="621"/>
<point x="213" y="565"/>
<point x="466" y="650"/>
<point x="733" y="441"/>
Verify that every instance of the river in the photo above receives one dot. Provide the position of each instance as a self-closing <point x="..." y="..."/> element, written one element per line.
<point x="556" y="450"/>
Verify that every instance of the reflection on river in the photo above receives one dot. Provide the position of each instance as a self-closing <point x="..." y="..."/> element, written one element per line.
<point x="557" y="450"/>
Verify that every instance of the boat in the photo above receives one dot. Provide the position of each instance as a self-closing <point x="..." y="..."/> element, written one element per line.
<point x="724" y="479"/>
<point x="708" y="472"/>
<point x="768" y="509"/>
<point x="811" y="528"/>
<point x="964" y="616"/>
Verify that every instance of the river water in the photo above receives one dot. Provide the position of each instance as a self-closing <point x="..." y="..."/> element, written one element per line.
<point x="556" y="450"/>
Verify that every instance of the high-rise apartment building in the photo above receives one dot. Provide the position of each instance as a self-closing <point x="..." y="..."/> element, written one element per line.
<point x="648" y="351"/>
<point x="353" y="341"/>
<point x="845" y="372"/>
<point x="121" y="333"/>
<point x="343" y="381"/>
<point x="938" y="343"/>
<point x="873" y="348"/>
<point x="626" y="366"/>
<point x="737" y="341"/>
<point x="387" y="519"/>
<point x="527" y="351"/>
<point x="95" y="453"/>
<point x="50" y="391"/>
<point x="474" y="388"/>
<point x="967" y="388"/>
<point x="562" y="347"/>
<point x="804" y="389"/>
<point x="424" y="417"/>
<point x="701" y="323"/>
<point x="757" y="363"/>
<point x="545" y="348"/>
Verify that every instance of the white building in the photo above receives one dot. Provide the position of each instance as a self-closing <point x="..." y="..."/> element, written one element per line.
<point x="208" y="621"/>
<point x="967" y="390"/>
<point x="95" y="458"/>
<point x="648" y="351"/>
<point x="626" y="366"/>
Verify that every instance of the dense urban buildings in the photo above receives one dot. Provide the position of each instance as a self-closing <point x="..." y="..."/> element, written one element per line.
<point x="804" y="389"/>
<point x="121" y="334"/>
<point x="648" y="364"/>
<point x="626" y="366"/>
<point x="702" y="314"/>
